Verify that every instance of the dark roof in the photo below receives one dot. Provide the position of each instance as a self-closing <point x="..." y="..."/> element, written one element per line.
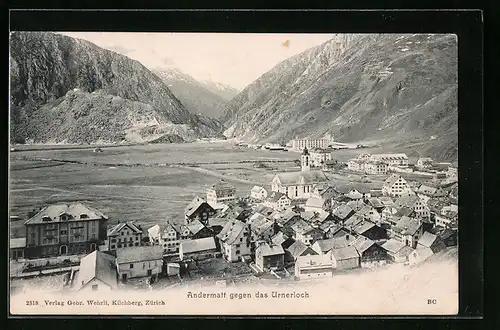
<point x="297" y="248"/>
<point x="301" y="227"/>
<point x="375" y="202"/>
<point x="275" y="196"/>
<point x="51" y="213"/>
<point x="406" y="201"/>
<point x="194" y="205"/>
<point x="404" y="211"/>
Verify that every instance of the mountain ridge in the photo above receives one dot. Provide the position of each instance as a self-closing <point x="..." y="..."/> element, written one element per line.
<point x="401" y="88"/>
<point x="45" y="67"/>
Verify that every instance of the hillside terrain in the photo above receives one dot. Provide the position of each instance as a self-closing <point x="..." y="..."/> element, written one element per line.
<point x="69" y="90"/>
<point x="395" y="89"/>
<point x="207" y="98"/>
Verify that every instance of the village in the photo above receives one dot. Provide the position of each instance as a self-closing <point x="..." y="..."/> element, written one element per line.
<point x="301" y="226"/>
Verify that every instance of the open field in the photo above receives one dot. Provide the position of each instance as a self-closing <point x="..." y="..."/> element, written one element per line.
<point x="152" y="188"/>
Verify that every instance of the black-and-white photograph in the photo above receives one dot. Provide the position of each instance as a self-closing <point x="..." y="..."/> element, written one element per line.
<point x="233" y="173"/>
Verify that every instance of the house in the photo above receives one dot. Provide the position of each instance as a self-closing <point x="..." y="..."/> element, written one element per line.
<point x="299" y="185"/>
<point x="444" y="221"/>
<point x="319" y="157"/>
<point x="125" y="234"/>
<point x="408" y="231"/>
<point x="221" y="192"/>
<point x="345" y="258"/>
<point x="139" y="261"/>
<point x="321" y="217"/>
<point x="424" y="162"/>
<point x="325" y="246"/>
<point x="356" y="205"/>
<point x="356" y="165"/>
<point x="198" y="230"/>
<point x="419" y="254"/>
<point x="369" y="213"/>
<point x="269" y="257"/>
<point x="317" y="204"/>
<point x="376" y="193"/>
<point x="376" y="204"/>
<point x="342" y="213"/>
<point x="390" y="159"/>
<point x="426" y="192"/>
<point x="235" y="240"/>
<point x="261" y="228"/>
<point x="413" y="202"/>
<point x="264" y="210"/>
<point x="395" y="186"/>
<point x="64" y="229"/>
<point x="313" y="266"/>
<point x="370" y="252"/>
<point x="330" y="165"/>
<point x="258" y="193"/>
<point x="16" y="248"/>
<point x="376" y="168"/>
<point x="282" y="239"/>
<point x="431" y="241"/>
<point x="370" y="230"/>
<point x="198" y="210"/>
<point x="97" y="272"/>
<point x="197" y="249"/>
<point x="386" y="201"/>
<point x="397" y="251"/>
<point x="305" y="233"/>
<point x="296" y="250"/>
<point x="278" y="201"/>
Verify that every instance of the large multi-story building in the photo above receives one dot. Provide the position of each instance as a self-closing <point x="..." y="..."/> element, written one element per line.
<point x="390" y="159"/>
<point x="221" y="192"/>
<point x="300" y="144"/>
<point x="319" y="157"/>
<point x="65" y="229"/>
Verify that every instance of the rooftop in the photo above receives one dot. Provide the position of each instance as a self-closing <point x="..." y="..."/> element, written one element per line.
<point x="314" y="261"/>
<point x="345" y="253"/>
<point x="98" y="265"/>
<point x="197" y="245"/>
<point x="115" y="230"/>
<point x="270" y="250"/>
<point x="138" y="254"/>
<point x="427" y="239"/>
<point x="393" y="245"/>
<point x="231" y="231"/>
<point x="75" y="212"/>
<point x="222" y="185"/>
<point x="326" y="245"/>
<point x="407" y="226"/>
<point x="194" y="205"/>
<point x="301" y="178"/>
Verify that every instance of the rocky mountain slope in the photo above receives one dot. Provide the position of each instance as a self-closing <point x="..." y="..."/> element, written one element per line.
<point x="207" y="98"/>
<point x="70" y="90"/>
<point x="399" y="89"/>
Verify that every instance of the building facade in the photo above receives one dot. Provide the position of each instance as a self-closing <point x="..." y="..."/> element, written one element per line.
<point x="395" y="186"/>
<point x="300" y="144"/>
<point x="140" y="261"/>
<point x="123" y="235"/>
<point x="320" y="157"/>
<point x="221" y="192"/>
<point x="65" y="229"/>
<point x="313" y="266"/>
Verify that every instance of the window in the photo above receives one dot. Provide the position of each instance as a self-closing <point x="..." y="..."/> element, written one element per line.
<point x="113" y="247"/>
<point x="131" y="266"/>
<point x="131" y="244"/>
<point x="136" y="244"/>
<point x="241" y="239"/>
<point x="64" y="232"/>
<point x="123" y="233"/>
<point x="237" y="251"/>
<point x="237" y="245"/>
<point x="137" y="238"/>
<point x="119" y="245"/>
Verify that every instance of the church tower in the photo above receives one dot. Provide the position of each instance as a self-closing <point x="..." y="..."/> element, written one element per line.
<point x="305" y="160"/>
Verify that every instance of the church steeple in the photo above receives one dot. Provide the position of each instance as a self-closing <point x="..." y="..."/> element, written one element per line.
<point x="305" y="160"/>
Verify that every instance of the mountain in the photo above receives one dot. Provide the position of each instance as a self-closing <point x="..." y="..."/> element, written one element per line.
<point x="398" y="90"/>
<point x="223" y="91"/>
<point x="70" y="90"/>
<point x="207" y="98"/>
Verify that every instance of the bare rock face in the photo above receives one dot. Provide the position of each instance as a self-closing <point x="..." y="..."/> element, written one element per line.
<point x="92" y="93"/>
<point x="393" y="88"/>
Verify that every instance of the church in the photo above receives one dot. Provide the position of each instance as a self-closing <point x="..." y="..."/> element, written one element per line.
<point x="299" y="185"/>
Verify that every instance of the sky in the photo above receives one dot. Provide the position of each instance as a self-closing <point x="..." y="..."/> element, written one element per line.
<point x="234" y="59"/>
